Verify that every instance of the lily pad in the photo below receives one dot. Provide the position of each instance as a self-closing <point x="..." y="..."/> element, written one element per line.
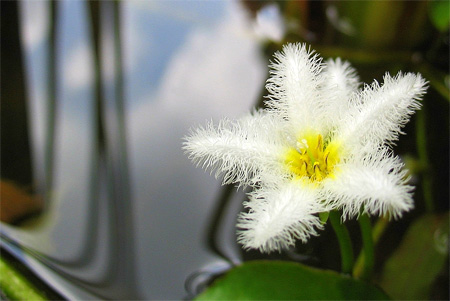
<point x="276" y="280"/>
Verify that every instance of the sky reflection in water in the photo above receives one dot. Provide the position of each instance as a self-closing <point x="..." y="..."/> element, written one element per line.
<point x="185" y="62"/>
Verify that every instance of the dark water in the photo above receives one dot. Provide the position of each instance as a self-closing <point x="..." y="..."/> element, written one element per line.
<point x="126" y="213"/>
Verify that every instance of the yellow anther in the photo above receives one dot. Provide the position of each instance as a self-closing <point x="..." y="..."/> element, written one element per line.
<point x="304" y="168"/>
<point x="317" y="173"/>
<point x="310" y="158"/>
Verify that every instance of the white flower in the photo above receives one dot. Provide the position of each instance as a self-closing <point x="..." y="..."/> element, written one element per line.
<point x="321" y="144"/>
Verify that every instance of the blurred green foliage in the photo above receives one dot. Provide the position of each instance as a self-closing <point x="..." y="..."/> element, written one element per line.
<point x="419" y="260"/>
<point x="440" y="14"/>
<point x="15" y="286"/>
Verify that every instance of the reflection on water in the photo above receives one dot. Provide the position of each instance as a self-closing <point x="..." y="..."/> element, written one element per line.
<point x="200" y="279"/>
<point x="128" y="215"/>
<point x="215" y="72"/>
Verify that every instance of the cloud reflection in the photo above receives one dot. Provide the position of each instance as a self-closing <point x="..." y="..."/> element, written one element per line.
<point x="182" y="66"/>
<point x="217" y="72"/>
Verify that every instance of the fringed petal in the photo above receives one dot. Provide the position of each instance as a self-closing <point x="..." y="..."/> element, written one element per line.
<point x="376" y="184"/>
<point x="238" y="150"/>
<point x="340" y="83"/>
<point x="294" y="85"/>
<point x="382" y="111"/>
<point x="277" y="217"/>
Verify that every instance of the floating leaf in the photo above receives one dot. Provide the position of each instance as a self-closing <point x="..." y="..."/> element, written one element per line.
<point x="419" y="259"/>
<point x="277" y="280"/>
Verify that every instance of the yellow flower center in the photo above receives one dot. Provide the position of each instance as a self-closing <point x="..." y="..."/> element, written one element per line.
<point x="312" y="159"/>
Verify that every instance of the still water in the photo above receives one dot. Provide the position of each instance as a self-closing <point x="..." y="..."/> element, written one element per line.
<point x="129" y="216"/>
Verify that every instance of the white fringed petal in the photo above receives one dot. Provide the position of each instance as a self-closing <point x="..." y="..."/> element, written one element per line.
<point x="382" y="111"/>
<point x="277" y="217"/>
<point x="340" y="78"/>
<point x="340" y="83"/>
<point x="238" y="150"/>
<point x="294" y="84"/>
<point x="377" y="184"/>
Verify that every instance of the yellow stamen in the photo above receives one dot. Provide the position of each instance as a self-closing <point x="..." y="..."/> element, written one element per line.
<point x="311" y="159"/>
<point x="317" y="172"/>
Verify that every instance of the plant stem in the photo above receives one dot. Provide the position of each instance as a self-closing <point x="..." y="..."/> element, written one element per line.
<point x="345" y="243"/>
<point x="364" y="266"/>
<point x="377" y="230"/>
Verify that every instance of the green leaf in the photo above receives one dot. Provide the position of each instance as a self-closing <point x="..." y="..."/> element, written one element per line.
<point x="15" y="286"/>
<point x="440" y="14"/>
<point x="421" y="256"/>
<point x="278" y="280"/>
